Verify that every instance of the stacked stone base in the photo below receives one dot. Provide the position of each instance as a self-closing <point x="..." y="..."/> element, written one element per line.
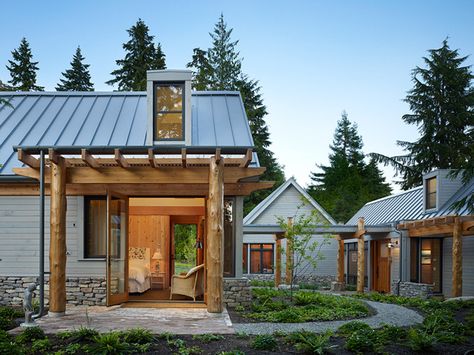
<point x="412" y="289"/>
<point x="237" y="292"/>
<point x="323" y="280"/>
<point x="89" y="291"/>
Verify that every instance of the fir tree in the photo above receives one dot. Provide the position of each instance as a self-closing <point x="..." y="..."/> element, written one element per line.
<point x="202" y="70"/>
<point x="347" y="183"/>
<point x="23" y="69"/>
<point x="442" y="106"/>
<point x="77" y="78"/>
<point x="141" y="55"/>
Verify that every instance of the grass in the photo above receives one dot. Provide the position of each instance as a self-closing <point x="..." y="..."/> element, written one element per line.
<point x="180" y="267"/>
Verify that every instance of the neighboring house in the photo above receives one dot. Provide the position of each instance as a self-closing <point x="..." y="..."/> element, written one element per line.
<point x="122" y="169"/>
<point x="423" y="225"/>
<point x="259" y="257"/>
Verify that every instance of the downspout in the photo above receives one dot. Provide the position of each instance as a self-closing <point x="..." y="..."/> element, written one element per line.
<point x="41" y="239"/>
<point x="394" y="225"/>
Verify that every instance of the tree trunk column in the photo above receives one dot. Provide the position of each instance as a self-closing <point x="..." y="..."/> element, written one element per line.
<point x="360" y="255"/>
<point x="457" y="258"/>
<point x="57" y="246"/>
<point x="215" y="236"/>
<point x="278" y="261"/>
<point x="289" y="256"/>
<point x="340" y="260"/>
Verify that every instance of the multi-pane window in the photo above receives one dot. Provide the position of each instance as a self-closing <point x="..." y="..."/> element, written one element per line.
<point x="258" y="258"/>
<point x="95" y="227"/>
<point x="168" y="109"/>
<point x="430" y="193"/>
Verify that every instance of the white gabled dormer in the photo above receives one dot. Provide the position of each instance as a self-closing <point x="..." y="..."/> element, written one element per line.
<point x="169" y="107"/>
<point x="438" y="188"/>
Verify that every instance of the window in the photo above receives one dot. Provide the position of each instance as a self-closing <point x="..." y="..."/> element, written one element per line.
<point x="260" y="260"/>
<point x="430" y="193"/>
<point x="95" y="227"/>
<point x="427" y="262"/>
<point x="168" y="111"/>
<point x="229" y="238"/>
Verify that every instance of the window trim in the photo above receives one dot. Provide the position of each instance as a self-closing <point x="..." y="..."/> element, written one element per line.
<point x="85" y="210"/>
<point x="261" y="249"/>
<point x="428" y="193"/>
<point x="183" y="110"/>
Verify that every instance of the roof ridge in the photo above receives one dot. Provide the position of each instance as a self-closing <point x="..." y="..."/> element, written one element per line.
<point x="106" y="93"/>
<point x="394" y="195"/>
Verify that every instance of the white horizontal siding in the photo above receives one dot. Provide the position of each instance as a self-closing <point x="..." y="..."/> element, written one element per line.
<point x="19" y="238"/>
<point x="467" y="266"/>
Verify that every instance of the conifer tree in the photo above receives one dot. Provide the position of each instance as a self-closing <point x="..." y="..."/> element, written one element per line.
<point x="347" y="183"/>
<point x="23" y="69"/>
<point x="141" y="55"/>
<point x="442" y="107"/>
<point x="202" y="70"/>
<point x="78" y="77"/>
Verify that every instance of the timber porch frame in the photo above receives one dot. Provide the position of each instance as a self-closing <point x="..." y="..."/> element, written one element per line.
<point x="138" y="171"/>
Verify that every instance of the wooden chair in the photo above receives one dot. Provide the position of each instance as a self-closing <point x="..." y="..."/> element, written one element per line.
<point x="190" y="285"/>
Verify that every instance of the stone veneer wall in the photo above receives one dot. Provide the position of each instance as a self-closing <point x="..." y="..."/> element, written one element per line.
<point x="412" y="289"/>
<point x="79" y="290"/>
<point x="237" y="292"/>
<point x="308" y="279"/>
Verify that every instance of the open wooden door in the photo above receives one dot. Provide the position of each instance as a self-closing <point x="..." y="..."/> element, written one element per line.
<point x="117" y="248"/>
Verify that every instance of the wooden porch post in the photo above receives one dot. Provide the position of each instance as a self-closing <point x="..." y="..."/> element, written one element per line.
<point x="340" y="260"/>
<point x="457" y="258"/>
<point x="289" y="256"/>
<point x="360" y="255"/>
<point x="215" y="236"/>
<point x="57" y="246"/>
<point x="278" y="261"/>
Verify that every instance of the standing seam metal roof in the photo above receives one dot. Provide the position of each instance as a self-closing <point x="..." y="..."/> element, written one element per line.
<point x="111" y="119"/>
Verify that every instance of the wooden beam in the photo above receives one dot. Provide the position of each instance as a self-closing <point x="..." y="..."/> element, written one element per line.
<point x="215" y="236"/>
<point x="340" y="260"/>
<point x="183" y="157"/>
<point x="151" y="158"/>
<point x="167" y="210"/>
<point x="218" y="155"/>
<point x="28" y="159"/>
<point x="120" y="159"/>
<point x="57" y="246"/>
<point x="89" y="159"/>
<point x="247" y="159"/>
<point x="53" y="156"/>
<point x="360" y="256"/>
<point x="457" y="258"/>
<point x="289" y="256"/>
<point x="278" y="262"/>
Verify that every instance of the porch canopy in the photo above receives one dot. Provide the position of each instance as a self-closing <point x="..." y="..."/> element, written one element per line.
<point x="138" y="171"/>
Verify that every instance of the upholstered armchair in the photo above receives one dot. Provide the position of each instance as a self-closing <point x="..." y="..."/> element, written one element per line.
<point x="190" y="284"/>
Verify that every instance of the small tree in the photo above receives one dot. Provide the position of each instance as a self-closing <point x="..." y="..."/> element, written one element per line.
<point x="78" y="77"/>
<point x="23" y="69"/>
<point x="305" y="250"/>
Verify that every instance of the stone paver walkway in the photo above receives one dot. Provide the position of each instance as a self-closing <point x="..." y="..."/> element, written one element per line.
<point x="386" y="314"/>
<point x="157" y="320"/>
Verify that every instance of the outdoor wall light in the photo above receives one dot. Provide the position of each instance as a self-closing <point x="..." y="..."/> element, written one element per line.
<point x="391" y="245"/>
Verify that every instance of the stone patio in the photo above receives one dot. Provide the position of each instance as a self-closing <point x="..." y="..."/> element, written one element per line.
<point x="157" y="320"/>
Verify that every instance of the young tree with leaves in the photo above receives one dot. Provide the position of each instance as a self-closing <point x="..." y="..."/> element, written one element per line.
<point x="22" y="68"/>
<point x="442" y="106"/>
<point x="141" y="55"/>
<point x="347" y="183"/>
<point x="220" y="68"/>
<point x="78" y="77"/>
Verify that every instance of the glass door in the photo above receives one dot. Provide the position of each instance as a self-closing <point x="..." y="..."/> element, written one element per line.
<point x="117" y="248"/>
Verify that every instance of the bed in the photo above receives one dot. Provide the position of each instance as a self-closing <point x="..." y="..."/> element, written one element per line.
<point x="139" y="275"/>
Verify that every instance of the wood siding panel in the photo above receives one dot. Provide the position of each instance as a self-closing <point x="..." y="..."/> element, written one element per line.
<point x="467" y="266"/>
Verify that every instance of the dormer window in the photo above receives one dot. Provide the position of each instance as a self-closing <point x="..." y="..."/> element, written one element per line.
<point x="430" y="188"/>
<point x="168" y="111"/>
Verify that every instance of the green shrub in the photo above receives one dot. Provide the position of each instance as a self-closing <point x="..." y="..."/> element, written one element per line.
<point x="351" y="327"/>
<point x="166" y="336"/>
<point x="305" y="286"/>
<point x="303" y="298"/>
<point x="350" y="287"/>
<point x="137" y="336"/>
<point x="80" y="334"/>
<point x="110" y="343"/>
<point x="207" y="338"/>
<point x="262" y="283"/>
<point x="419" y="340"/>
<point x="242" y="335"/>
<point x="309" y="342"/>
<point x="40" y="345"/>
<point x="362" y="340"/>
<point x="239" y="308"/>
<point x="264" y="342"/>
<point x="182" y="349"/>
<point x="390" y="333"/>
<point x="6" y="324"/>
<point x="10" y="313"/>
<point x="29" y="335"/>
<point x="73" y="348"/>
<point x="231" y="352"/>
<point x="442" y="325"/>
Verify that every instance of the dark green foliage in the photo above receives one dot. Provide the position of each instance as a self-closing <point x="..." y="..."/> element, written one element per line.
<point x="29" y="335"/>
<point x="219" y="68"/>
<point x="419" y="340"/>
<point x="78" y="77"/>
<point x="262" y="283"/>
<point x="264" y="342"/>
<point x="110" y="343"/>
<point x="310" y="343"/>
<point x="23" y="69"/>
<point x="232" y="352"/>
<point x="81" y="334"/>
<point x="7" y="344"/>
<point x="185" y="240"/>
<point x="40" y="345"/>
<point x="442" y="325"/>
<point x="137" y="336"/>
<point x="73" y="348"/>
<point x="182" y="349"/>
<point x="442" y="107"/>
<point x="141" y="55"/>
<point x="347" y="183"/>
<point x="351" y="327"/>
<point x="390" y="333"/>
<point x="6" y="324"/>
<point x="362" y="341"/>
<point x="207" y="338"/>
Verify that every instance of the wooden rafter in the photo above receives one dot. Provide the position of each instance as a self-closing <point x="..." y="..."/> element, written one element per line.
<point x="89" y="159"/>
<point x="218" y="155"/>
<point x="120" y="159"/>
<point x="247" y="159"/>
<point x="54" y="156"/>
<point x="28" y="159"/>
<point x="183" y="157"/>
<point x="151" y="158"/>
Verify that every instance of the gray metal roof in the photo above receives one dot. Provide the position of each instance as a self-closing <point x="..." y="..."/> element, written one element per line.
<point x="408" y="206"/>
<point x="111" y="119"/>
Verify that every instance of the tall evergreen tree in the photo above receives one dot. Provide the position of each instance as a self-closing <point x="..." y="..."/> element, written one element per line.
<point x="347" y="183"/>
<point x="442" y="106"/>
<point x="220" y="68"/>
<point x="78" y="77"/>
<point x="141" y="55"/>
<point x="23" y="69"/>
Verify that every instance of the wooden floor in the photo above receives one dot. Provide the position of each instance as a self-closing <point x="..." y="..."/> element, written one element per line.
<point x="161" y="299"/>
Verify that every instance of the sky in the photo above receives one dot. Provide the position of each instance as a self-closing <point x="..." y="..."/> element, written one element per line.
<point x="313" y="59"/>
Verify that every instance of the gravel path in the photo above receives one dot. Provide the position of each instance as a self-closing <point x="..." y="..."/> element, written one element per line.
<point x="386" y="314"/>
